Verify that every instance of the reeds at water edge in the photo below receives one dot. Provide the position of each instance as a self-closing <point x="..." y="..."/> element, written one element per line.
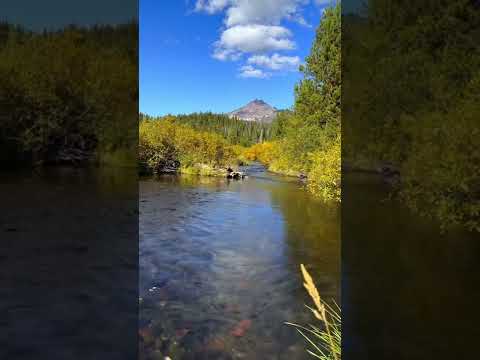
<point x="325" y="341"/>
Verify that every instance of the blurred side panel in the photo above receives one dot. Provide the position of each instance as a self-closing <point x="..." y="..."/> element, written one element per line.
<point x="410" y="179"/>
<point x="68" y="179"/>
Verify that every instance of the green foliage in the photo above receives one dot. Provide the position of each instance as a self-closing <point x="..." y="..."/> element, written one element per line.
<point x="73" y="89"/>
<point x="412" y="75"/>
<point x="244" y="133"/>
<point x="280" y="125"/>
<point x="318" y="94"/>
<point x="308" y="139"/>
<point x="441" y="175"/>
<point x="165" y="145"/>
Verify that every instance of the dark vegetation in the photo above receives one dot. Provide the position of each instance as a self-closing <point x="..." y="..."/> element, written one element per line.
<point x="69" y="95"/>
<point x="411" y="95"/>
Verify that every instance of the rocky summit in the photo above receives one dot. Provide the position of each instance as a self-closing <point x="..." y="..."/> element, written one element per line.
<point x="256" y="110"/>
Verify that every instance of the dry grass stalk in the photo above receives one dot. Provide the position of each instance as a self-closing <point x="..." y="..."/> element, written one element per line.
<point x="330" y="338"/>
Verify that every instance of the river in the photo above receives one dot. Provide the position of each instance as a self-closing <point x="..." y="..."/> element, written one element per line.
<point x="69" y="258"/>
<point x="218" y="270"/>
<point x="220" y="265"/>
<point x="409" y="291"/>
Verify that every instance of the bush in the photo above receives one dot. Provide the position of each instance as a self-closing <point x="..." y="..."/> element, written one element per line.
<point x="324" y="178"/>
<point x="263" y="152"/>
<point x="441" y="174"/>
<point x="413" y="100"/>
<point x="165" y="145"/>
<point x="76" y="101"/>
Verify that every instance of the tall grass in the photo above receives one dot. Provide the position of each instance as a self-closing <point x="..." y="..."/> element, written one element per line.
<point x="325" y="341"/>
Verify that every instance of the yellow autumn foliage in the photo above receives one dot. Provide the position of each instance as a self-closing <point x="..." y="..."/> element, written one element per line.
<point x="165" y="144"/>
<point x="324" y="177"/>
<point x="264" y="152"/>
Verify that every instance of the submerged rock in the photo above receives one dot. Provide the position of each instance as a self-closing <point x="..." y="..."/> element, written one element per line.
<point x="237" y="175"/>
<point x="146" y="336"/>
<point x="241" y="328"/>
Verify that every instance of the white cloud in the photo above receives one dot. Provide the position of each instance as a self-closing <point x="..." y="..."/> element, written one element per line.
<point x="271" y="12"/>
<point x="241" y="12"/>
<point x="255" y="39"/>
<point x="300" y="20"/>
<point x="253" y="28"/>
<point x="211" y="6"/>
<point x="226" y="54"/>
<point x="275" y="62"/>
<point x="249" y="71"/>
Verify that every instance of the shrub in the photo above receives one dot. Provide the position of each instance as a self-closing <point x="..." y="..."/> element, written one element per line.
<point x="264" y="152"/>
<point x="164" y="144"/>
<point x="77" y="101"/>
<point x="324" y="178"/>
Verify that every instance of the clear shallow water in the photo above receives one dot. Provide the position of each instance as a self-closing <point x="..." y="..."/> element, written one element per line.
<point x="219" y="265"/>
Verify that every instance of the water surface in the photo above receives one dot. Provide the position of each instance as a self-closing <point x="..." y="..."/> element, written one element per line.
<point x="409" y="291"/>
<point x="69" y="260"/>
<point x="219" y="265"/>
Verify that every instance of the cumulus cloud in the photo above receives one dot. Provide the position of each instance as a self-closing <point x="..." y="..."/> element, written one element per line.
<point x="249" y="71"/>
<point x="253" y="28"/>
<point x="262" y="11"/>
<point x="275" y="62"/>
<point x="255" y="39"/>
<point x="241" y="12"/>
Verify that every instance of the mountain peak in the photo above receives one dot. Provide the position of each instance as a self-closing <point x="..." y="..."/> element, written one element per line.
<point x="255" y="110"/>
<point x="258" y="101"/>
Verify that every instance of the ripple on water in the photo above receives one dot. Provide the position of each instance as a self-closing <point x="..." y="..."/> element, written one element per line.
<point x="225" y="255"/>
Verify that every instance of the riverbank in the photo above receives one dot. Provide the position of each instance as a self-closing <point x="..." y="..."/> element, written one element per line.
<point x="320" y="168"/>
<point x="168" y="147"/>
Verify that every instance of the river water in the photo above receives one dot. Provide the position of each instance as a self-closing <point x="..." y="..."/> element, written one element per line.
<point x="69" y="260"/>
<point x="219" y="269"/>
<point x="219" y="265"/>
<point x="409" y="291"/>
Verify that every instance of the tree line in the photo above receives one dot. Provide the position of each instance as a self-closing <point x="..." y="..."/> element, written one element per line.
<point x="234" y="130"/>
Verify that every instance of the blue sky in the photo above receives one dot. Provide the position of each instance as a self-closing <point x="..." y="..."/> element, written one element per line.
<point x="217" y="55"/>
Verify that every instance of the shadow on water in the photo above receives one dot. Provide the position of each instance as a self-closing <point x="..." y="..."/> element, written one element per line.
<point x="70" y="260"/>
<point x="409" y="292"/>
<point x="219" y="265"/>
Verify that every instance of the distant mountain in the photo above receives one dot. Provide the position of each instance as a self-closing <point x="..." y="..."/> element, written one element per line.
<point x="256" y="110"/>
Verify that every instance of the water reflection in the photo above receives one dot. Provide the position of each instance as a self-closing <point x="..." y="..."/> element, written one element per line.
<point x="70" y="261"/>
<point x="404" y="284"/>
<point x="219" y="265"/>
